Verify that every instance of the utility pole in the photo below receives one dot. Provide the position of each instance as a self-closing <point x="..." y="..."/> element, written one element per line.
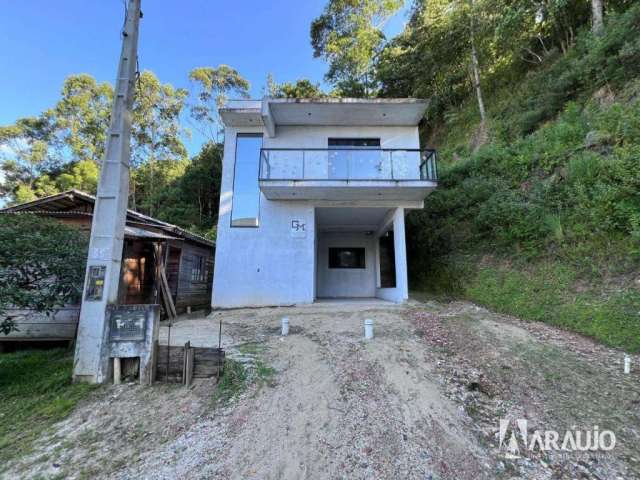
<point x="109" y="217"/>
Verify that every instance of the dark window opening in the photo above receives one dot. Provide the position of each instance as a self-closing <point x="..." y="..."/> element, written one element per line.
<point x="198" y="269"/>
<point x="346" y="257"/>
<point x="354" y="143"/>
<point x="387" y="261"/>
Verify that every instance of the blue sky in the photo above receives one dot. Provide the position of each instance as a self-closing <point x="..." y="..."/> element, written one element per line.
<point x="44" y="41"/>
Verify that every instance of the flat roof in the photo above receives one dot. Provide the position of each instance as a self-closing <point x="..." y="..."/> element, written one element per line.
<point x="273" y="112"/>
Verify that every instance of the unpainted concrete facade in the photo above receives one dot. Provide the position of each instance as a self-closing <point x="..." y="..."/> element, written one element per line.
<point x="272" y="264"/>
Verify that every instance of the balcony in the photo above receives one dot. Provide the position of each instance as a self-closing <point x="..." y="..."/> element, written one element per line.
<point x="347" y="174"/>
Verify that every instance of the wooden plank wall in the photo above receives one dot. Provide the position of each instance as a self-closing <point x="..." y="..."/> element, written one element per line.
<point x="203" y="363"/>
<point x="196" y="294"/>
<point x="59" y="325"/>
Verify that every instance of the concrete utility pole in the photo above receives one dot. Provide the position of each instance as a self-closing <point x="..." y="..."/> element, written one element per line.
<point x="109" y="217"/>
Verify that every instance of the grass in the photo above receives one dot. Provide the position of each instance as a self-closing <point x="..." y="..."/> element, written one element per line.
<point x="35" y="392"/>
<point x="546" y="292"/>
<point x="232" y="382"/>
<point x="237" y="377"/>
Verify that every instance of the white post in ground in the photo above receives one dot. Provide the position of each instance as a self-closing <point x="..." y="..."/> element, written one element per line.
<point x="400" y="250"/>
<point x="368" y="329"/>
<point x="109" y="216"/>
<point x="627" y="363"/>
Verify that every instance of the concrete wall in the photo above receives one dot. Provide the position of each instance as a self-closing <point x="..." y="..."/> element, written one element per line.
<point x="346" y="282"/>
<point x="264" y="265"/>
<point x="316" y="137"/>
<point x="267" y="265"/>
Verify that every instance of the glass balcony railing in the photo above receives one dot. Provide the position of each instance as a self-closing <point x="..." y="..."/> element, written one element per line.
<point x="347" y="164"/>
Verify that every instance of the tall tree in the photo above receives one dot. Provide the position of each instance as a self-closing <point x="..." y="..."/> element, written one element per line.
<point x="62" y="148"/>
<point x="348" y="35"/>
<point x="213" y="86"/>
<point x="156" y="136"/>
<point x="597" y="17"/>
<point x="475" y="64"/>
<point x="26" y="153"/>
<point x="81" y="117"/>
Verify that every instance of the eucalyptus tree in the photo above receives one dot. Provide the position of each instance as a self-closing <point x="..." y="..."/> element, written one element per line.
<point x="81" y="117"/>
<point x="348" y="35"/>
<point x="26" y="154"/>
<point x="212" y="89"/>
<point x="156" y="137"/>
<point x="62" y="148"/>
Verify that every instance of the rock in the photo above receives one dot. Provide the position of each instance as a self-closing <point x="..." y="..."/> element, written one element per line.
<point x="592" y="139"/>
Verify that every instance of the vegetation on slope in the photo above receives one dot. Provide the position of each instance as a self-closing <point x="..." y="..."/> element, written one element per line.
<point x="543" y="219"/>
<point x="35" y="392"/>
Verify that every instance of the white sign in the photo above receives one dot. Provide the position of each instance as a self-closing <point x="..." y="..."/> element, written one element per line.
<point x="298" y="229"/>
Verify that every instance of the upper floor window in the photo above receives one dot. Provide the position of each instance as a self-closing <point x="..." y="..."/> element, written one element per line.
<point x="354" y="143"/>
<point x="356" y="158"/>
<point x="246" y="191"/>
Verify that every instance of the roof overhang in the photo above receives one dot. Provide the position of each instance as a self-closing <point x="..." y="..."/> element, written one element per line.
<point x="273" y="112"/>
<point x="71" y="203"/>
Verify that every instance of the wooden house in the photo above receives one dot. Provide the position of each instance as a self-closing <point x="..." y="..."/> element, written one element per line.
<point x="161" y="263"/>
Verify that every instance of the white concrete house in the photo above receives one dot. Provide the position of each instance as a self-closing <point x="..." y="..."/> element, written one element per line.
<point x="313" y="199"/>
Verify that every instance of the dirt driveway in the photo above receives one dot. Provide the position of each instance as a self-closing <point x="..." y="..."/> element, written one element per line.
<point x="422" y="400"/>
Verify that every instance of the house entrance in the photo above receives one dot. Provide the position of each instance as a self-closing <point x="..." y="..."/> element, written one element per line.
<point x="347" y="262"/>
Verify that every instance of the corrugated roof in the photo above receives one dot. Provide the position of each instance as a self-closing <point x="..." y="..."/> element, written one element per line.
<point x="61" y="204"/>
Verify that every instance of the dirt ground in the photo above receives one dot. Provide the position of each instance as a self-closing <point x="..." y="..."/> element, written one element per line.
<point x="422" y="400"/>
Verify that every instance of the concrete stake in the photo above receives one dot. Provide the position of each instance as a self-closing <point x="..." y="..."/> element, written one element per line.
<point x="117" y="371"/>
<point x="368" y="329"/>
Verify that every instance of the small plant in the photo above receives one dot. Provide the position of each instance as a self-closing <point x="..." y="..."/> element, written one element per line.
<point x="232" y="382"/>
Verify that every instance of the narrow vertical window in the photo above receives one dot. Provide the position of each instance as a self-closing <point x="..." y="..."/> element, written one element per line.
<point x="246" y="192"/>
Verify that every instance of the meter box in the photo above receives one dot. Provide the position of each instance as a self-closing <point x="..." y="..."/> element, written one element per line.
<point x="95" y="282"/>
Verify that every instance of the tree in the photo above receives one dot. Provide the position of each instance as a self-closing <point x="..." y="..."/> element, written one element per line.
<point x="81" y="117"/>
<point x="82" y="175"/>
<point x="37" y="150"/>
<point x="213" y="85"/>
<point x="302" y="88"/>
<point x="25" y="151"/>
<point x="192" y="199"/>
<point x="597" y="17"/>
<point x="155" y="136"/>
<point x="42" y="265"/>
<point x="349" y="36"/>
<point x="475" y="65"/>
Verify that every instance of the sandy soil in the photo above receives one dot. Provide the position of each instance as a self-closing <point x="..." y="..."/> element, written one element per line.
<point x="422" y="400"/>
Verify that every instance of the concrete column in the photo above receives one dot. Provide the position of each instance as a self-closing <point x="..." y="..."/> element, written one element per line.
<point x="91" y="362"/>
<point x="402" y="282"/>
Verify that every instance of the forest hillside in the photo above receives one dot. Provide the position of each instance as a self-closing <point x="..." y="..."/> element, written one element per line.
<point x="537" y="213"/>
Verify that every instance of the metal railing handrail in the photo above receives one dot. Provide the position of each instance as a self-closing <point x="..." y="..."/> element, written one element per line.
<point x="427" y="169"/>
<point x="349" y="149"/>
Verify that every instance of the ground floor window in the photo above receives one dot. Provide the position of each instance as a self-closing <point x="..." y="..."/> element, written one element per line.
<point x="198" y="269"/>
<point x="346" y="257"/>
